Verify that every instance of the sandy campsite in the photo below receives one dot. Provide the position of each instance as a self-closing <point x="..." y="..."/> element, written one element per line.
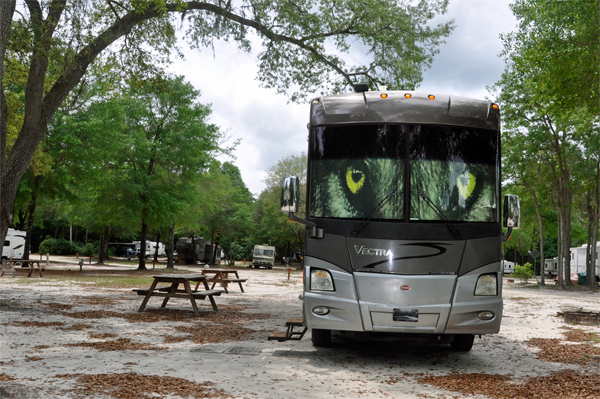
<point x="72" y="334"/>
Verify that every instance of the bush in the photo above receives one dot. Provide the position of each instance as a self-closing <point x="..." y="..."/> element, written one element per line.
<point x="524" y="272"/>
<point x="59" y="246"/>
<point x="89" y="249"/>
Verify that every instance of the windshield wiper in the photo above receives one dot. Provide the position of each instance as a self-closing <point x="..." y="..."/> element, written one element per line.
<point x="380" y="205"/>
<point x="440" y="214"/>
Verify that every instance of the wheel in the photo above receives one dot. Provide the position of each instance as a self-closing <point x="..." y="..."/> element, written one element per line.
<point x="321" y="338"/>
<point x="462" y="342"/>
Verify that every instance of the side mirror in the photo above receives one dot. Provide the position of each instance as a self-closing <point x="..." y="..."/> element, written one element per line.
<point x="512" y="211"/>
<point x="290" y="194"/>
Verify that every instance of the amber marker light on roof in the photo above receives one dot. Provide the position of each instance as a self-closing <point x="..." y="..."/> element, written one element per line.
<point x="408" y="95"/>
<point x="383" y="95"/>
<point x="495" y="106"/>
<point x="431" y="97"/>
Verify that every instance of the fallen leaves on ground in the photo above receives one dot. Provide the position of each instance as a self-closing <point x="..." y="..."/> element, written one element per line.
<point x="212" y="333"/>
<point x="4" y="377"/>
<point x="553" y="350"/>
<point x="577" y="335"/>
<point x="33" y="359"/>
<point x="567" y="384"/>
<point x="37" y="324"/>
<point x="95" y="335"/>
<point x="134" y="386"/>
<point x="121" y="344"/>
<point x="57" y="306"/>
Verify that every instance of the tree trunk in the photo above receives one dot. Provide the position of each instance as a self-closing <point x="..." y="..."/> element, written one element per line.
<point x="107" y="234"/>
<point x="560" y="254"/>
<point x="194" y="253"/>
<point x="211" y="258"/>
<point x="594" y="216"/>
<point x="144" y="233"/>
<point x="156" y="248"/>
<point x="541" y="227"/>
<point x="7" y="9"/>
<point x="171" y="246"/>
<point x="101" y="249"/>
<point x="31" y="216"/>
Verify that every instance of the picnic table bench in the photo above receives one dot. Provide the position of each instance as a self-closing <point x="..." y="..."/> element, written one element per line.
<point x="222" y="276"/>
<point x="8" y="265"/>
<point x="173" y="291"/>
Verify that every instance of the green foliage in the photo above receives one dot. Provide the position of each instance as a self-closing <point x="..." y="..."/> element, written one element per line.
<point x="524" y="272"/>
<point x="549" y="96"/>
<point x="59" y="246"/>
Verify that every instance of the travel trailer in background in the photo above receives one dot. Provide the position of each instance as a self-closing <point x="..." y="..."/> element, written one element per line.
<point x="508" y="266"/>
<point x="203" y="250"/>
<point x="263" y="255"/>
<point x="578" y="255"/>
<point x="551" y="267"/>
<point x="14" y="244"/>
<point x="150" y="248"/>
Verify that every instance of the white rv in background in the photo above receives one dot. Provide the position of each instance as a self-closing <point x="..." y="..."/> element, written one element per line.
<point x="578" y="255"/>
<point x="14" y="244"/>
<point x="150" y="248"/>
<point x="509" y="267"/>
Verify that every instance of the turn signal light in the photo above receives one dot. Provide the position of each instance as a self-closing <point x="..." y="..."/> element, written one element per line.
<point x="495" y="106"/>
<point x="431" y="97"/>
<point x="408" y="95"/>
<point x="383" y="95"/>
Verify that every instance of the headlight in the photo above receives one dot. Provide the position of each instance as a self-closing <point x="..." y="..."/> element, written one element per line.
<point x="320" y="280"/>
<point x="487" y="285"/>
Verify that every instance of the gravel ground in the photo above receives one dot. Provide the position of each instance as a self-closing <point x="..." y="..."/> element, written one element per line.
<point x="67" y="339"/>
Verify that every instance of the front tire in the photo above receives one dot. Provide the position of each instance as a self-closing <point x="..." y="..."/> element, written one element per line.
<point x="320" y="338"/>
<point x="462" y="342"/>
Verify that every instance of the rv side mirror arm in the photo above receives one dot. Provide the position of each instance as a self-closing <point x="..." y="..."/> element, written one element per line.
<point x="313" y="231"/>
<point x="305" y="222"/>
<point x="507" y="235"/>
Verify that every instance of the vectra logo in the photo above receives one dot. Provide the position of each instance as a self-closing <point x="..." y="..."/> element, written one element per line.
<point x="362" y="250"/>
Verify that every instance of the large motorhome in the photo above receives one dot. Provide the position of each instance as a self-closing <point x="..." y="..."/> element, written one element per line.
<point x="263" y="256"/>
<point x="14" y="244"/>
<point x="403" y="221"/>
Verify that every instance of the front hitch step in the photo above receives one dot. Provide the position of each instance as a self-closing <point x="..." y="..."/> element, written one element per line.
<point x="290" y="334"/>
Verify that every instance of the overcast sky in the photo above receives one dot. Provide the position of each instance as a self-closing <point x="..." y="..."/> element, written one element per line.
<point x="270" y="128"/>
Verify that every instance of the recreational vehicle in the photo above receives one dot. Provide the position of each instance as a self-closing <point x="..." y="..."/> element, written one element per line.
<point x="508" y="266"/>
<point x="203" y="250"/>
<point x="403" y="221"/>
<point x="14" y="244"/>
<point x="263" y="255"/>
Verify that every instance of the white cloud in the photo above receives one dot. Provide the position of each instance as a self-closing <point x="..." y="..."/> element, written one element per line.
<point x="270" y="128"/>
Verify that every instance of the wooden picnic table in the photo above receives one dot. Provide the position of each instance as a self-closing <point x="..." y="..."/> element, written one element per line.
<point x="223" y="277"/>
<point x="25" y="264"/>
<point x="172" y="290"/>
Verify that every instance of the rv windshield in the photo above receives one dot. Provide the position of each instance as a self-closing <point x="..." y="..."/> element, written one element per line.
<point x="456" y="167"/>
<point x="353" y="167"/>
<point x="263" y="252"/>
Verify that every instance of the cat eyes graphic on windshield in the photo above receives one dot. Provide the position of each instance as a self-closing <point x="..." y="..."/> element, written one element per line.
<point x="354" y="179"/>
